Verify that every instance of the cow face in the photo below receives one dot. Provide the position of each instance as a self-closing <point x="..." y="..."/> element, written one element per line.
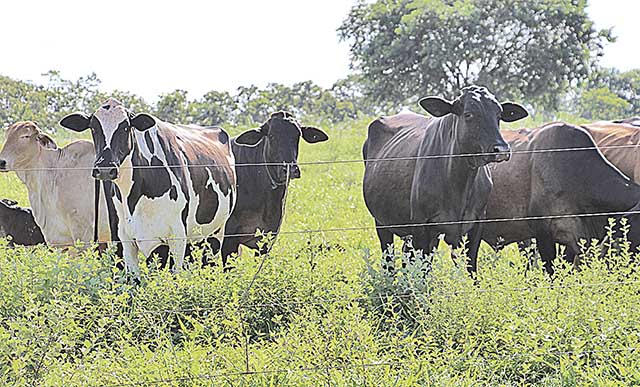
<point x="280" y="137"/>
<point x="24" y="143"/>
<point x="478" y="116"/>
<point x="112" y="129"/>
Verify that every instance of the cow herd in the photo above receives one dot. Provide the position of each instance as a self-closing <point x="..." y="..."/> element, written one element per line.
<point x="162" y="189"/>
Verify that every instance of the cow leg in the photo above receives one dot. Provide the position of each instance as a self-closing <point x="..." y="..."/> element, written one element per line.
<point x="386" y="245"/>
<point x="131" y="261"/>
<point x="178" y="247"/>
<point x="547" y="249"/>
<point x="475" y="236"/>
<point x="229" y="247"/>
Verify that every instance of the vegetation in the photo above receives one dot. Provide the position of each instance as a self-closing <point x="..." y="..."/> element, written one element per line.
<point x="319" y="310"/>
<point x="527" y="50"/>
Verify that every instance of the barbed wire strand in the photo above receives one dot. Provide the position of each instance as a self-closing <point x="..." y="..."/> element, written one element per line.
<point x="362" y="228"/>
<point x="327" y="162"/>
<point x="320" y="301"/>
<point x="354" y="365"/>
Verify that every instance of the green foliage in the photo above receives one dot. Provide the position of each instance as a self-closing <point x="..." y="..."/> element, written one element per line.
<point x="602" y="104"/>
<point x="625" y="85"/>
<point x="530" y="50"/>
<point x="317" y="313"/>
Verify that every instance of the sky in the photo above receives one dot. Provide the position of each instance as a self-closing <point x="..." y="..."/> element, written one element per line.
<point x="153" y="47"/>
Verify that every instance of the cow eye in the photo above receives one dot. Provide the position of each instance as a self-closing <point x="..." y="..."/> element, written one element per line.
<point x="468" y="115"/>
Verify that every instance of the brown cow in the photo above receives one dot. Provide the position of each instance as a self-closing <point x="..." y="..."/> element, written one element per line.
<point x="619" y="141"/>
<point x="59" y="183"/>
<point x="539" y="183"/>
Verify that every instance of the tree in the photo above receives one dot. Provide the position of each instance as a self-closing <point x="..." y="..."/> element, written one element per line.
<point x="174" y="107"/>
<point x="215" y="108"/>
<point x="602" y="104"/>
<point x="531" y="49"/>
<point x="625" y="85"/>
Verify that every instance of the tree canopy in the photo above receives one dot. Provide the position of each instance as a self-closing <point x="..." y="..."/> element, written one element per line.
<point x="526" y="49"/>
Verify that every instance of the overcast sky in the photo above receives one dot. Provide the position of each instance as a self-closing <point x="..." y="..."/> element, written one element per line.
<point x="147" y="48"/>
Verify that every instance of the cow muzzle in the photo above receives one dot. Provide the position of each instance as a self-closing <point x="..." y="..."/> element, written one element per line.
<point x="105" y="172"/>
<point x="294" y="171"/>
<point x="3" y="165"/>
<point x="502" y="152"/>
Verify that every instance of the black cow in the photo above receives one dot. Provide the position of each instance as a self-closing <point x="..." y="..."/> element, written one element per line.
<point x="262" y="188"/>
<point x="18" y="223"/>
<point x="421" y="187"/>
<point x="537" y="183"/>
<point x="171" y="183"/>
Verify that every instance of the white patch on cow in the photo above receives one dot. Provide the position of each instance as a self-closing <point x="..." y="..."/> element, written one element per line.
<point x="157" y="221"/>
<point x="110" y="118"/>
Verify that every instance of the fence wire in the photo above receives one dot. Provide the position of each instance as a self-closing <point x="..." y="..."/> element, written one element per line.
<point x="164" y="240"/>
<point x="329" y="162"/>
<point x="355" y="365"/>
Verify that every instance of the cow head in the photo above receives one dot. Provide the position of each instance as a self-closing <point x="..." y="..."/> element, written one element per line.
<point x="24" y="143"/>
<point x="280" y="137"/>
<point x="478" y="122"/>
<point x="112" y="127"/>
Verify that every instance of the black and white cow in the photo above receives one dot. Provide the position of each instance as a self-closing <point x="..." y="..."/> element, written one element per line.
<point x="172" y="183"/>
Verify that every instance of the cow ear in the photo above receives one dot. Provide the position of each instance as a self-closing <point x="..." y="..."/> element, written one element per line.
<point x="436" y="106"/>
<point x="513" y="112"/>
<point x="78" y="122"/>
<point x="46" y="142"/>
<point x="143" y="121"/>
<point x="313" y="135"/>
<point x="251" y="137"/>
<point x="9" y="202"/>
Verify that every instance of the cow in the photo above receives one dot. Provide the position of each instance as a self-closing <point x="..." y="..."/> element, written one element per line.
<point x="172" y="183"/>
<point x="619" y="141"/>
<point x="17" y="223"/>
<point x="541" y="184"/>
<point x="428" y="178"/>
<point x="59" y="184"/>
<point x="266" y="160"/>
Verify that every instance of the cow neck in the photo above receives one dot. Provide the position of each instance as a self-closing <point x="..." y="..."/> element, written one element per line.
<point x="125" y="176"/>
<point x="39" y="179"/>
<point x="460" y="171"/>
<point x="272" y="181"/>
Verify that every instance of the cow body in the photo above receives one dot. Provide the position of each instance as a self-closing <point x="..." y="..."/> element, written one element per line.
<point x="172" y="183"/>
<point x="265" y="164"/>
<point x="620" y="144"/>
<point x="18" y="224"/>
<point x="59" y="184"/>
<point x="535" y="183"/>
<point x="426" y="180"/>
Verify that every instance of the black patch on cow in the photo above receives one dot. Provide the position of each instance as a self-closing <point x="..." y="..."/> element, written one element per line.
<point x="117" y="193"/>
<point x="173" y="193"/>
<point x="223" y="137"/>
<point x="147" y="139"/>
<point x="148" y="182"/>
<point x="208" y="205"/>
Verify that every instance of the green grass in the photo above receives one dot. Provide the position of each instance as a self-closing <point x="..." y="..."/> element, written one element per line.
<point x="319" y="312"/>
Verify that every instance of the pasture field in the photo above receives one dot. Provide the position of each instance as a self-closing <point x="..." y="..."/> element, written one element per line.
<point x="317" y="310"/>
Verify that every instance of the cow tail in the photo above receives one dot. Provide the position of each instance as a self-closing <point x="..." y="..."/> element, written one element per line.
<point x="96" y="209"/>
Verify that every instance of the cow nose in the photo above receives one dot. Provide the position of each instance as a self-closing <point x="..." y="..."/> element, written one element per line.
<point x="105" y="173"/>
<point x="294" y="171"/>
<point x="502" y="151"/>
<point x="3" y="164"/>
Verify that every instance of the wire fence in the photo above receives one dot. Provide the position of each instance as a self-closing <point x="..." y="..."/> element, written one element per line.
<point x="330" y="162"/>
<point x="355" y="364"/>
<point x="363" y="363"/>
<point x="164" y="240"/>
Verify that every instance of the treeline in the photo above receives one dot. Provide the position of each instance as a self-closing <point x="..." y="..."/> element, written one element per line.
<point x="544" y="54"/>
<point x="46" y="103"/>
